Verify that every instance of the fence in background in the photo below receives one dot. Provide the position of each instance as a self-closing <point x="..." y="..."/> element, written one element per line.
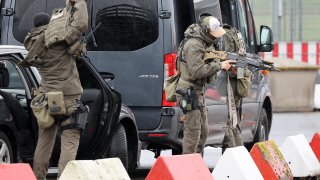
<point x="308" y="52"/>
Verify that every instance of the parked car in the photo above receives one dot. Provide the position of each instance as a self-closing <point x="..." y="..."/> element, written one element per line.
<point x="110" y="132"/>
<point x="137" y="41"/>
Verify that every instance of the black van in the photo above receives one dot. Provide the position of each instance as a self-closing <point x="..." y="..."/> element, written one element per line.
<point x="137" y="41"/>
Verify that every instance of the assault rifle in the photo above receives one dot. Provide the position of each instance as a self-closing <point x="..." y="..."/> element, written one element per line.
<point x="241" y="63"/>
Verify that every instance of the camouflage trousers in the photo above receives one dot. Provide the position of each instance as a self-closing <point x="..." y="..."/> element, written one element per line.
<point x="46" y="140"/>
<point x="233" y="136"/>
<point x="195" y="131"/>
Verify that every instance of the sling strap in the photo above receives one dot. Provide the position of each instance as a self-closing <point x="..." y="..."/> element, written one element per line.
<point x="231" y="105"/>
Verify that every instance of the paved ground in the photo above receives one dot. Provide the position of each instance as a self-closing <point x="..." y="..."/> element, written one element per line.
<point x="283" y="125"/>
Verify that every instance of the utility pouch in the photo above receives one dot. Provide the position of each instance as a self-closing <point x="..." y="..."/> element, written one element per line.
<point x="56" y="103"/>
<point x="40" y="110"/>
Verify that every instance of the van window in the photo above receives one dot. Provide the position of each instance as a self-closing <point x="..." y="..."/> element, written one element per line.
<point x="242" y="19"/>
<point x="125" y="25"/>
<point x="25" y="11"/>
<point x="252" y="31"/>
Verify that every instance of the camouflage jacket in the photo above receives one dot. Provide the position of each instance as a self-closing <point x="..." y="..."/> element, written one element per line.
<point x="194" y="71"/>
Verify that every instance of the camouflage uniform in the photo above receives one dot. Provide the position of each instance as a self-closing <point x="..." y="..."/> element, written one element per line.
<point x="195" y="73"/>
<point x="59" y="72"/>
<point x="233" y="136"/>
<point x="240" y="87"/>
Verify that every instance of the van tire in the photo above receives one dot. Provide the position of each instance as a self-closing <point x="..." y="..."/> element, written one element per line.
<point x="5" y="146"/>
<point x="262" y="133"/>
<point x="119" y="146"/>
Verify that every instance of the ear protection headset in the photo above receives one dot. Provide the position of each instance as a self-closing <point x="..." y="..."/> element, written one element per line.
<point x="205" y="24"/>
<point x="203" y="20"/>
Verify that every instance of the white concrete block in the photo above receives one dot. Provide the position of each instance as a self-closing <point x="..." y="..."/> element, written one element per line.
<point x="300" y="157"/>
<point x="236" y="164"/>
<point x="83" y="170"/>
<point x="114" y="167"/>
<point x="317" y="96"/>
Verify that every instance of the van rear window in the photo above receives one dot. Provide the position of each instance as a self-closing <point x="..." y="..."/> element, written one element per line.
<point x="125" y="25"/>
<point x="25" y="11"/>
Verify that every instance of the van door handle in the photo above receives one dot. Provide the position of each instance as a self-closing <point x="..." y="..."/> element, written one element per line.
<point x="164" y="14"/>
<point x="7" y="11"/>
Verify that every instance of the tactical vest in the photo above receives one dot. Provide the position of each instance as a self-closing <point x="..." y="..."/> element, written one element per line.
<point x="234" y="41"/>
<point x="56" y="30"/>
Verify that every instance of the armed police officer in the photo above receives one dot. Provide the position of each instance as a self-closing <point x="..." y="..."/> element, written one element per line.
<point x="60" y="88"/>
<point x="194" y="74"/>
<point x="239" y="83"/>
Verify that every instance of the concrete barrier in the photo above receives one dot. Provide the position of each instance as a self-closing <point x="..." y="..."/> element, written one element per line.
<point x="300" y="157"/>
<point x="270" y="161"/>
<point x="111" y="169"/>
<point x="315" y="145"/>
<point x="186" y="167"/>
<point x="82" y="170"/>
<point x="293" y="90"/>
<point x="16" y="172"/>
<point x="236" y="163"/>
<point x="317" y="92"/>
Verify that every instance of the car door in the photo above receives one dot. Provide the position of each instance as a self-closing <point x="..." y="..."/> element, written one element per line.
<point x="105" y="105"/>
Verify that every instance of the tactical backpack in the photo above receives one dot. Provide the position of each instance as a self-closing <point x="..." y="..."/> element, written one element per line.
<point x="234" y="42"/>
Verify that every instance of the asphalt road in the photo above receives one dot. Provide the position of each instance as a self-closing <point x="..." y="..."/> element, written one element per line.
<point x="283" y="125"/>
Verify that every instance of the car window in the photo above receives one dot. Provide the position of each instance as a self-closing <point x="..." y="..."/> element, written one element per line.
<point x="252" y="32"/>
<point x="242" y="19"/>
<point x="15" y="81"/>
<point x="88" y="80"/>
<point x="125" y="25"/>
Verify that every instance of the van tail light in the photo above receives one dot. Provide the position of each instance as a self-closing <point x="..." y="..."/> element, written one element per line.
<point x="169" y="70"/>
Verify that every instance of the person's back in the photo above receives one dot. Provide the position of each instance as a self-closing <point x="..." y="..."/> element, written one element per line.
<point x="59" y="71"/>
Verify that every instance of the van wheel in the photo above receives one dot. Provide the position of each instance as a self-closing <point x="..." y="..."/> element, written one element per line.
<point x="262" y="133"/>
<point x="119" y="147"/>
<point x="6" y="152"/>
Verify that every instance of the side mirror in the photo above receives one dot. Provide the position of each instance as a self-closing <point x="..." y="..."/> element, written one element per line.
<point x="266" y="39"/>
<point x="107" y="76"/>
<point x="4" y="75"/>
